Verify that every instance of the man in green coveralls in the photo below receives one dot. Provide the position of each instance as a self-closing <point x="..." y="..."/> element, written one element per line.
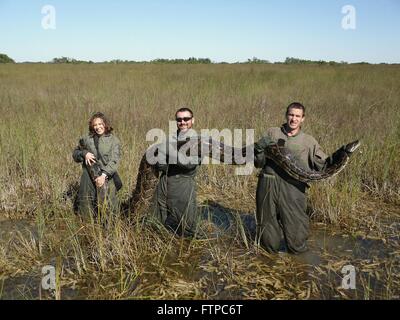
<point x="281" y="200"/>
<point x="174" y="202"/>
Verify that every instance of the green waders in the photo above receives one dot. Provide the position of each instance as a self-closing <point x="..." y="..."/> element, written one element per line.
<point x="281" y="200"/>
<point x="174" y="203"/>
<point x="92" y="201"/>
<point x="281" y="205"/>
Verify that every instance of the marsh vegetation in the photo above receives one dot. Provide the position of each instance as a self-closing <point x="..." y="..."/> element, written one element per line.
<point x="355" y="216"/>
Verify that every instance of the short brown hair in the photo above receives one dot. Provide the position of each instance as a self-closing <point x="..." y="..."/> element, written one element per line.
<point x="107" y="125"/>
<point x="296" y="105"/>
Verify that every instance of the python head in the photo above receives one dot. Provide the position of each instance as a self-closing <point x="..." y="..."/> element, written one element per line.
<point x="351" y="147"/>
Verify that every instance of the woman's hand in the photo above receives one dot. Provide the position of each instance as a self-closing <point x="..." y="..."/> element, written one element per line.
<point x="90" y="158"/>
<point x="100" y="180"/>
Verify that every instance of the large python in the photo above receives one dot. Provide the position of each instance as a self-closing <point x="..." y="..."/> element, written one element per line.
<point x="147" y="177"/>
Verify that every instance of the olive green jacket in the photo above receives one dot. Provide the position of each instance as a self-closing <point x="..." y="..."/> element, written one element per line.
<point x="304" y="148"/>
<point x="109" y="148"/>
<point x="173" y="163"/>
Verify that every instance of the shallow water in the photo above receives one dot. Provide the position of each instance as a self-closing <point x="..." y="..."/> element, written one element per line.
<point x="321" y="239"/>
<point x="26" y="286"/>
<point x="326" y="246"/>
<point x="29" y="287"/>
<point x="329" y="250"/>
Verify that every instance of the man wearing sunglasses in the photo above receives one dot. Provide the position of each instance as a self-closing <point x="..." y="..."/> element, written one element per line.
<point x="174" y="203"/>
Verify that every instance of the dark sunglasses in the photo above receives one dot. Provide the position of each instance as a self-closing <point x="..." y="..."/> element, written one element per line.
<point x="186" y="119"/>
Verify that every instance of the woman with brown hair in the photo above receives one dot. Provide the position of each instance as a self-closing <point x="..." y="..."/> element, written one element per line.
<point x="99" y="152"/>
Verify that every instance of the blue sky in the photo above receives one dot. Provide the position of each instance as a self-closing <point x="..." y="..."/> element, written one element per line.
<point x="222" y="30"/>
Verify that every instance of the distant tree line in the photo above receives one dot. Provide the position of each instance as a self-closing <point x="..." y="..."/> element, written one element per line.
<point x="5" y="58"/>
<point x="191" y="60"/>
<point x="290" y="60"/>
<point x="69" y="60"/>
<point x="302" y="61"/>
<point x="255" y="60"/>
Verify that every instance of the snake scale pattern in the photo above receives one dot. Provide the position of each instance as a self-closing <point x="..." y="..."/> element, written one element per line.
<point x="147" y="177"/>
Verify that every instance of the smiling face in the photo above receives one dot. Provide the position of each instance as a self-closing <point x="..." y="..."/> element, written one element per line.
<point x="294" y="119"/>
<point x="98" y="126"/>
<point x="184" y="121"/>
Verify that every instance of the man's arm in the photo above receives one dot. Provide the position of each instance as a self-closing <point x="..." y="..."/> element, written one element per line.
<point x="333" y="158"/>
<point x="80" y="151"/>
<point x="188" y="159"/>
<point x="259" y="148"/>
<point x="320" y="160"/>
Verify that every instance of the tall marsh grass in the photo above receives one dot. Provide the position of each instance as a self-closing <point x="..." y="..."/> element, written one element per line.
<point x="44" y="109"/>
